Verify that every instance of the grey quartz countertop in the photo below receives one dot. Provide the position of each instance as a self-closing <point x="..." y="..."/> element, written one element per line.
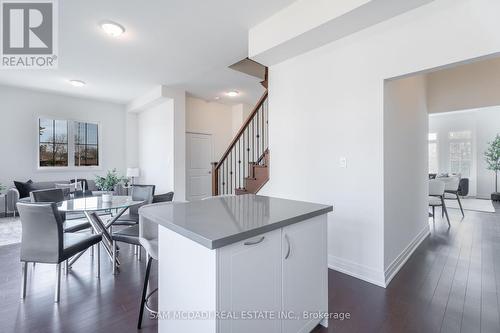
<point x="220" y="221"/>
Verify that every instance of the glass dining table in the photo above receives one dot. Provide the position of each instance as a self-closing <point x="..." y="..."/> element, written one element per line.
<point x="92" y="207"/>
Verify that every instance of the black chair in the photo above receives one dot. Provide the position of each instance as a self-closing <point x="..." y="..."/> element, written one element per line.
<point x="44" y="241"/>
<point x="163" y="197"/>
<point x="85" y="184"/>
<point x="463" y="187"/>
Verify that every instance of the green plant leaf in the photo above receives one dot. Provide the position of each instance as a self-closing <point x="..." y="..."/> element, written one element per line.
<point x="108" y="182"/>
<point x="492" y="154"/>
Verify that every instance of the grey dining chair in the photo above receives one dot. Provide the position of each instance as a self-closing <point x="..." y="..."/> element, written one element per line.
<point x="77" y="223"/>
<point x="44" y="241"/>
<point x="148" y="237"/>
<point x="130" y="234"/>
<point x="451" y="190"/>
<point x="436" y="198"/>
<point x="138" y="193"/>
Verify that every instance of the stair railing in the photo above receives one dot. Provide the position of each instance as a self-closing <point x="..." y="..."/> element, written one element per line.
<point x="247" y="148"/>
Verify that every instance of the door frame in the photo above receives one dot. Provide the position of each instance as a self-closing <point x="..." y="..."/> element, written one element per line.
<point x="188" y="195"/>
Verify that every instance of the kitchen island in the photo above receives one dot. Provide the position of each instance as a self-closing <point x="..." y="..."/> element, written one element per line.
<point x="241" y="264"/>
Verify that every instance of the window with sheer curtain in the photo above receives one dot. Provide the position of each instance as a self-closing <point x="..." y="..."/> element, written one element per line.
<point x="460" y="152"/>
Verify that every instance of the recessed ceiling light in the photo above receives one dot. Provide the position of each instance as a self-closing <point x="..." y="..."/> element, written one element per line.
<point x="112" y="28"/>
<point x="77" y="83"/>
<point x="232" y="93"/>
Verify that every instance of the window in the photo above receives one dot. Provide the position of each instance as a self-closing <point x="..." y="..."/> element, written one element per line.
<point x="60" y="139"/>
<point x="86" y="144"/>
<point x="53" y="142"/>
<point x="433" y="153"/>
<point x="460" y="135"/>
<point x="461" y="152"/>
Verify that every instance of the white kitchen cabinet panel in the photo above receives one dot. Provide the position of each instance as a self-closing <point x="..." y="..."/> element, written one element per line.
<point x="305" y="272"/>
<point x="249" y="283"/>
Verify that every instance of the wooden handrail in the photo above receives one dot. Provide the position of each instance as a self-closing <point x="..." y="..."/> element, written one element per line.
<point x="242" y="130"/>
<point x="215" y="179"/>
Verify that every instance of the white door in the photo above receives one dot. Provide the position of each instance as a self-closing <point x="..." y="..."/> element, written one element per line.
<point x="250" y="280"/>
<point x="198" y="167"/>
<point x="305" y="273"/>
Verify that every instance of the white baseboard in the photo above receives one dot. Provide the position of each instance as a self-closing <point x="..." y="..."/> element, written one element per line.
<point x="403" y="257"/>
<point x="361" y="272"/>
<point x="368" y="274"/>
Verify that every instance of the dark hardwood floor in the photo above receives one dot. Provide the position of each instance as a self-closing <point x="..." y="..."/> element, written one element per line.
<point x="450" y="284"/>
<point x="88" y="304"/>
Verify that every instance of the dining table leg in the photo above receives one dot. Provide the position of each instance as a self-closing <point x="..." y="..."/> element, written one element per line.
<point x="116" y="217"/>
<point x="100" y="228"/>
<point x="74" y="259"/>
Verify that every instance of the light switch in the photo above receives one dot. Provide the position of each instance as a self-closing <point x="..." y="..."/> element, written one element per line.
<point x="343" y="162"/>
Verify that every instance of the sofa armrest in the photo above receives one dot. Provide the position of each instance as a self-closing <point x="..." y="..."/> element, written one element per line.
<point x="12" y="198"/>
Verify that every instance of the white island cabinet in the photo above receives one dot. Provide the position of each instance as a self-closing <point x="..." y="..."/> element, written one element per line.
<point x="258" y="265"/>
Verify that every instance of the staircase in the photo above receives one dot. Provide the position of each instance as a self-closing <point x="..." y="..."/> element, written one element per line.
<point x="244" y="167"/>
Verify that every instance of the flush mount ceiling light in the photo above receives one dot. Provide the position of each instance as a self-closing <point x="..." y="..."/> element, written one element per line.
<point x="77" y="83"/>
<point x="112" y="28"/>
<point x="232" y="93"/>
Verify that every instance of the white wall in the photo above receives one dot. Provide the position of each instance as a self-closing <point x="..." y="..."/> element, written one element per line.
<point x="132" y="140"/>
<point x="464" y="87"/>
<point x="210" y="118"/>
<point x="159" y="119"/>
<point x="179" y="139"/>
<point x="19" y="113"/>
<point x="485" y="125"/>
<point x="307" y="24"/>
<point x="405" y="169"/>
<point x="329" y="103"/>
<point x="240" y="114"/>
<point x="221" y="120"/>
<point x="156" y="147"/>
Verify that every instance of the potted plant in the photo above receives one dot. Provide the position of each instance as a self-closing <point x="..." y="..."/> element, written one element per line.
<point x="492" y="156"/>
<point x="1" y="187"/>
<point x="108" y="183"/>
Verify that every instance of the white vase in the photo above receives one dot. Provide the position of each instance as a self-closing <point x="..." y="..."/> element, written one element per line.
<point x="107" y="197"/>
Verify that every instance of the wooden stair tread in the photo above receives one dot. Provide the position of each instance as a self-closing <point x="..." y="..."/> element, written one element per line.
<point x="240" y="191"/>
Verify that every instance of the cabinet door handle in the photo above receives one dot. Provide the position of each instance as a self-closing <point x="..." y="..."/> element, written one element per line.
<point x="289" y="247"/>
<point x="254" y="242"/>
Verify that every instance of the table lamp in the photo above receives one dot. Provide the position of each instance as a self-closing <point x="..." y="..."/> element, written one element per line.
<point x="132" y="173"/>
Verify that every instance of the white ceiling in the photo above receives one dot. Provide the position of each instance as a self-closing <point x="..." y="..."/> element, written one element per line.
<point x="179" y="43"/>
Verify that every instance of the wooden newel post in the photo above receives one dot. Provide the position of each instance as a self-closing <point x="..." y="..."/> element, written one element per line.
<point x="215" y="179"/>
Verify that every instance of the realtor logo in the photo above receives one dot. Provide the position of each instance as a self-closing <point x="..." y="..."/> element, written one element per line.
<point x="29" y="34"/>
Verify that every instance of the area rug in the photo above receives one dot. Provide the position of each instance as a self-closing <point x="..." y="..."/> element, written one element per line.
<point x="478" y="205"/>
<point x="10" y="230"/>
